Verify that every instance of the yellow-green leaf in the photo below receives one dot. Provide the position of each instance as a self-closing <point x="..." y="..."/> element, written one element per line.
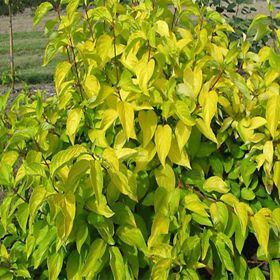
<point x="165" y="177"/>
<point x="177" y="156"/>
<point x="148" y="124"/>
<point x="261" y="228"/>
<point x="73" y="266"/>
<point x="126" y="115"/>
<point x="120" y="181"/>
<point x="206" y="130"/>
<point x="71" y="8"/>
<point x="36" y="199"/>
<point x="63" y="157"/>
<point x="183" y="113"/>
<point x="96" y="177"/>
<point x="91" y="86"/>
<point x="209" y="106"/>
<point x="81" y="236"/>
<point x="215" y="184"/>
<point x="193" y="203"/>
<point x="276" y="175"/>
<point x="73" y="121"/>
<point x="96" y="252"/>
<point x="55" y="262"/>
<point x="41" y="11"/>
<point x="273" y="114"/>
<point x="132" y="236"/>
<point x="62" y="69"/>
<point x="69" y="211"/>
<point x="117" y="263"/>
<point x="22" y="215"/>
<point x="144" y="73"/>
<point x="268" y="151"/>
<point x="160" y="226"/>
<point x="182" y="133"/>
<point x="162" y="28"/>
<point x="163" y="137"/>
<point x="240" y="209"/>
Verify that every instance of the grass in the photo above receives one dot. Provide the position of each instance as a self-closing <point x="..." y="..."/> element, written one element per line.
<point x="28" y="51"/>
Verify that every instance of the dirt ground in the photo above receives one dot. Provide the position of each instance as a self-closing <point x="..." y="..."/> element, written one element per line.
<point x="23" y="22"/>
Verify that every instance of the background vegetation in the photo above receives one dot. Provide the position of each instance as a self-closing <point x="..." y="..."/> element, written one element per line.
<point x="159" y="155"/>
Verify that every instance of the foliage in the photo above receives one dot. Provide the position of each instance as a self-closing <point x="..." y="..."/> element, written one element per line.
<point x="159" y="157"/>
<point x="239" y="14"/>
<point x="18" y="6"/>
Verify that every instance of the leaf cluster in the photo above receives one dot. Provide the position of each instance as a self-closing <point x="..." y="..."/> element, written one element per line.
<point x="158" y="158"/>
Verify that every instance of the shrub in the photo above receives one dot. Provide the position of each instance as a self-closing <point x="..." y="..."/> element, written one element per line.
<point x="157" y="159"/>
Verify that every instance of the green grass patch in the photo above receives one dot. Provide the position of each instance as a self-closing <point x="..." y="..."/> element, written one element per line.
<point x="29" y="52"/>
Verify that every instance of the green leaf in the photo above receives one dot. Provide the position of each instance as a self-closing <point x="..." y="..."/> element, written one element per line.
<point x="163" y="137"/>
<point x="96" y="177"/>
<point x="160" y="226"/>
<point x="71" y="8"/>
<point x="5" y="175"/>
<point x="34" y="169"/>
<point x="240" y="237"/>
<point x="41" y="12"/>
<point x="81" y="236"/>
<point x="123" y="215"/>
<point x="69" y="211"/>
<point x="133" y="237"/>
<point x="276" y="175"/>
<point x="255" y="274"/>
<point x="259" y="26"/>
<point x="36" y="199"/>
<point x="55" y="262"/>
<point x="73" y="266"/>
<point x="261" y="228"/>
<point x="274" y="267"/>
<point x="224" y="255"/>
<point x="241" y="211"/>
<point x="247" y="194"/>
<point x="120" y="181"/>
<point x="193" y="203"/>
<point x="161" y="269"/>
<point x="117" y="263"/>
<point x="101" y="13"/>
<point x="65" y="218"/>
<point x="219" y="215"/>
<point x="100" y="207"/>
<point x="273" y="249"/>
<point x="216" y="184"/>
<point x="96" y="252"/>
<point x="77" y="171"/>
<point x="22" y="215"/>
<point x="63" y="157"/>
<point x="183" y="113"/>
